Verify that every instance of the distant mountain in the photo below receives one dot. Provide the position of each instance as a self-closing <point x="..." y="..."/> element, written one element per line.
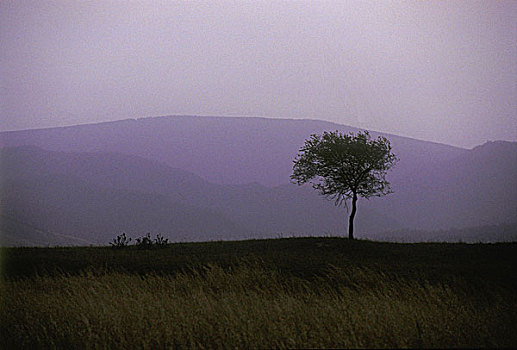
<point x="187" y="178"/>
<point x="68" y="206"/>
<point x="475" y="189"/>
<point x="96" y="196"/>
<point x="223" y="150"/>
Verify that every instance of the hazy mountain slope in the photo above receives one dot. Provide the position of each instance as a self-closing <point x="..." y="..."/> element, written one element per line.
<point x="436" y="186"/>
<point x="38" y="184"/>
<point x="115" y="171"/>
<point x="226" y="150"/>
<point x="67" y="205"/>
<point x="16" y="233"/>
<point x="476" y="188"/>
<point x="290" y="209"/>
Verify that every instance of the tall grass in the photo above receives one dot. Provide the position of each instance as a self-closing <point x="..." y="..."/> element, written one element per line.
<point x="249" y="306"/>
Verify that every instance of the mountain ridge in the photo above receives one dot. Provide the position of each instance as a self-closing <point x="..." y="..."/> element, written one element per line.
<point x="223" y="150"/>
<point x="237" y="117"/>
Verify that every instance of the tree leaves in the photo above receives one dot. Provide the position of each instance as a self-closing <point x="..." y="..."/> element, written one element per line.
<point x="339" y="165"/>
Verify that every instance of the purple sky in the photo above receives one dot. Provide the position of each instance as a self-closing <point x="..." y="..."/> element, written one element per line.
<point x="440" y="71"/>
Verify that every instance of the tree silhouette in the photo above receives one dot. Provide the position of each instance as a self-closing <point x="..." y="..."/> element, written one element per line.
<point x="345" y="166"/>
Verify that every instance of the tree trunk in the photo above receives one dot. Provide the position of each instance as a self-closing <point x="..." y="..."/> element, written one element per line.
<point x="352" y="215"/>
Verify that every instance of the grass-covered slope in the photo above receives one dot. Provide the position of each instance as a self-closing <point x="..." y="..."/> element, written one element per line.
<point x="311" y="292"/>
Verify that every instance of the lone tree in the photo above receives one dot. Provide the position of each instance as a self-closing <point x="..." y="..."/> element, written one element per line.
<point x="342" y="166"/>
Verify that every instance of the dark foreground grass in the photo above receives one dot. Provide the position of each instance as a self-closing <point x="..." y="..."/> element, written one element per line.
<point x="290" y="293"/>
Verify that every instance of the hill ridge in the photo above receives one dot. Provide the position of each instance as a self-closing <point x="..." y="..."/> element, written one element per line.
<point x="147" y="118"/>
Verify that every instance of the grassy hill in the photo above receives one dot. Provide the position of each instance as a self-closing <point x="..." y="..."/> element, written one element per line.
<point x="298" y="292"/>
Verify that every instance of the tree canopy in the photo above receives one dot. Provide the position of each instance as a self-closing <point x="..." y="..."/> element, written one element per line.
<point x="343" y="166"/>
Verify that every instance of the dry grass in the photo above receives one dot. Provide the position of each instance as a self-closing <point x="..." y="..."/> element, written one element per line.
<point x="249" y="306"/>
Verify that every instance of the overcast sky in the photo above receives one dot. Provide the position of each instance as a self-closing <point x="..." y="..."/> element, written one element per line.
<point x="435" y="70"/>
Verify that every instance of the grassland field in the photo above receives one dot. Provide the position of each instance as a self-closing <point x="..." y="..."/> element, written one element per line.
<point x="279" y="293"/>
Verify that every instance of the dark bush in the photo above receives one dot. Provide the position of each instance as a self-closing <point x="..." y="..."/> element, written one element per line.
<point x="120" y="242"/>
<point x="144" y="242"/>
<point x="161" y="241"/>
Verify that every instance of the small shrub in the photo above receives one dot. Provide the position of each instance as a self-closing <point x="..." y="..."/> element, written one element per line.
<point x="161" y="241"/>
<point x="144" y="242"/>
<point x="120" y="242"/>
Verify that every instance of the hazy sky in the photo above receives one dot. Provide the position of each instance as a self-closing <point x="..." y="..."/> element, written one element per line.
<point x="435" y="70"/>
